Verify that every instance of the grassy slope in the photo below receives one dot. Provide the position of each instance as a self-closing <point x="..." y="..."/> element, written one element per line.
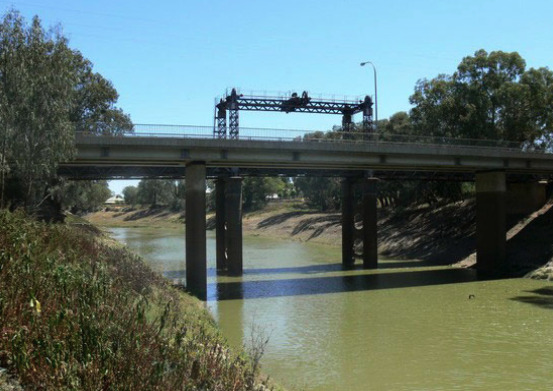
<point x="80" y="312"/>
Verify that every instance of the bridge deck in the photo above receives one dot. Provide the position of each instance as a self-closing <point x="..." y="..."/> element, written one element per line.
<point x="121" y="156"/>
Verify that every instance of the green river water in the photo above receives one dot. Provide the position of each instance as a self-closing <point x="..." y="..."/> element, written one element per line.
<point x="402" y="327"/>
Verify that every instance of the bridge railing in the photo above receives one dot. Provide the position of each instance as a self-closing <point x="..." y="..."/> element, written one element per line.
<point x="317" y="136"/>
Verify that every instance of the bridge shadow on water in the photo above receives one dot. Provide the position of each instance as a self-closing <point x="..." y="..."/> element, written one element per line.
<point x="332" y="267"/>
<point x="310" y="269"/>
<point x="234" y="290"/>
<point x="542" y="297"/>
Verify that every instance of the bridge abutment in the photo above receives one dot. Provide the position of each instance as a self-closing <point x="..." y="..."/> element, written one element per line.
<point x="196" y="256"/>
<point x="229" y="225"/>
<point x="368" y="231"/>
<point x="491" y="237"/>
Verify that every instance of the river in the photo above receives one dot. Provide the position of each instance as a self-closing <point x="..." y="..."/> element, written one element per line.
<point x="402" y="327"/>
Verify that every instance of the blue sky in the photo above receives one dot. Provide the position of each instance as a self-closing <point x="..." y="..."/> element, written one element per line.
<point x="170" y="59"/>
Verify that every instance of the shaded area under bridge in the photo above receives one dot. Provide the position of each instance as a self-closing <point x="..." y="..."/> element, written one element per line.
<point x="192" y="152"/>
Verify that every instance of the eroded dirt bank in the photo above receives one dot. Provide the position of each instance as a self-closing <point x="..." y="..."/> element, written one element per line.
<point x="436" y="235"/>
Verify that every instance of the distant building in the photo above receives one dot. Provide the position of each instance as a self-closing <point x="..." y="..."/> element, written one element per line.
<point x="115" y="200"/>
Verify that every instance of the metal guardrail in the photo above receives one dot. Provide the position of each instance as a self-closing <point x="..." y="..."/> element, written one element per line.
<point x="290" y="135"/>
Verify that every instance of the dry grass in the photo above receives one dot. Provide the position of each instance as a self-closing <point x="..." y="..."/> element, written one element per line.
<point x="80" y="313"/>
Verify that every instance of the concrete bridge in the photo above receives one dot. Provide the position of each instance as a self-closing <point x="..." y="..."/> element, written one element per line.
<point x="193" y="153"/>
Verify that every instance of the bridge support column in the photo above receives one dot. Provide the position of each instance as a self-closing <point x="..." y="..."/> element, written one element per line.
<point x="370" y="242"/>
<point x="491" y="238"/>
<point x="220" y="226"/>
<point x="348" y="223"/>
<point x="196" y="257"/>
<point x="233" y="218"/>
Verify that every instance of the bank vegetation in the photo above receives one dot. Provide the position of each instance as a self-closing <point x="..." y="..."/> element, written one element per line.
<point x="80" y="312"/>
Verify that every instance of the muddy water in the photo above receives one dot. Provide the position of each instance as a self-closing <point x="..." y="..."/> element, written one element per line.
<point x="403" y="327"/>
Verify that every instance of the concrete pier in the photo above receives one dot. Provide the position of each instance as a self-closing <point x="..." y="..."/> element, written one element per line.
<point x="196" y="258"/>
<point x="370" y="242"/>
<point x="228" y="225"/>
<point x="348" y="222"/>
<point x="220" y="226"/>
<point x="368" y="233"/>
<point x="233" y="219"/>
<point x="491" y="237"/>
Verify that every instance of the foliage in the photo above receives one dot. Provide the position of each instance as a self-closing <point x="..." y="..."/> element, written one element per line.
<point x="130" y="194"/>
<point x="398" y="124"/>
<point x="35" y="99"/>
<point x="155" y="192"/>
<point x="79" y="313"/>
<point x="406" y="193"/>
<point x="490" y="96"/>
<point x="323" y="194"/>
<point x="47" y="91"/>
<point x="83" y="196"/>
<point x="255" y="190"/>
<point x="94" y="109"/>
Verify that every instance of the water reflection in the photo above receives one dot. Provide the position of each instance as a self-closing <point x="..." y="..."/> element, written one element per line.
<point x="406" y="326"/>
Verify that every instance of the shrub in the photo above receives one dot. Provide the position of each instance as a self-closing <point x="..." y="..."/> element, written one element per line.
<point x="80" y="313"/>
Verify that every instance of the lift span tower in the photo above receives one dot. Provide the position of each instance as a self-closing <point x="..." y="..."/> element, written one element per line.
<point x="234" y="102"/>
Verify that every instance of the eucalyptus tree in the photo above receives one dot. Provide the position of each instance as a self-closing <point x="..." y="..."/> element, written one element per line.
<point x="490" y="96"/>
<point x="47" y="92"/>
<point x="321" y="193"/>
<point x="157" y="192"/>
<point x="85" y="196"/>
<point x="130" y="194"/>
<point x="37" y="82"/>
<point x="257" y="190"/>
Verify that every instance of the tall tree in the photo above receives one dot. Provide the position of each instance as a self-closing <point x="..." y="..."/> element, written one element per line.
<point x="490" y="96"/>
<point x="47" y="91"/>
<point x="156" y="192"/>
<point x="84" y="196"/>
<point x="396" y="127"/>
<point x="130" y="194"/>
<point x="36" y="81"/>
<point x="256" y="190"/>
<point x="94" y="107"/>
<point x="323" y="194"/>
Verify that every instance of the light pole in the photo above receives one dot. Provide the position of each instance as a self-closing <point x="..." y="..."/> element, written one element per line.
<point x="375" y="94"/>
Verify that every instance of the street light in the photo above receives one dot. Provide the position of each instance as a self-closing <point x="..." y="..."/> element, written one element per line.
<point x="375" y="93"/>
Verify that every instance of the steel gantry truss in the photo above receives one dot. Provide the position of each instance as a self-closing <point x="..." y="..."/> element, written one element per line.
<point x="234" y="102"/>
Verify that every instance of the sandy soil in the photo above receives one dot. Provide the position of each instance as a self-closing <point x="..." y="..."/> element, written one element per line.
<point x="129" y="217"/>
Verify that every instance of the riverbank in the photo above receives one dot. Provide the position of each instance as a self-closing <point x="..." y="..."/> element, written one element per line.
<point x="80" y="311"/>
<point x="434" y="235"/>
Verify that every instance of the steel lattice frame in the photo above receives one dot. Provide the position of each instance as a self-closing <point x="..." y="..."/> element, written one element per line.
<point x="233" y="103"/>
<point x="221" y="131"/>
<point x="368" y="125"/>
<point x="233" y="128"/>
